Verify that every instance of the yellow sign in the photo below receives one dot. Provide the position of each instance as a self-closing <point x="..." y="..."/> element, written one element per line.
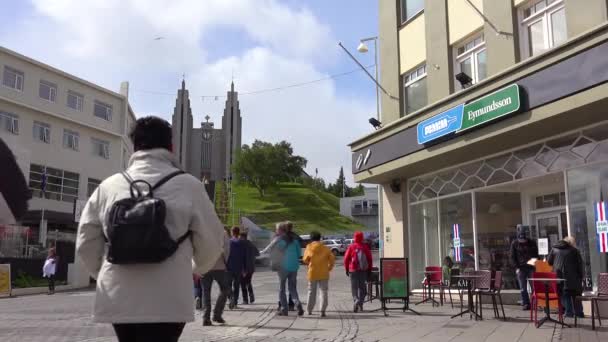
<point x="5" y="280"/>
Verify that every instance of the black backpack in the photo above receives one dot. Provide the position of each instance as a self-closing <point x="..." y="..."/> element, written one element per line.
<point x="136" y="227"/>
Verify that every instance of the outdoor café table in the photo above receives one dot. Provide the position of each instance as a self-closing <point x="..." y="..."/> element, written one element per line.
<point x="547" y="317"/>
<point x="468" y="278"/>
<point x="428" y="274"/>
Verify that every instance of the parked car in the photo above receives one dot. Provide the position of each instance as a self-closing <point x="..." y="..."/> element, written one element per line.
<point x="336" y="246"/>
<point x="348" y="242"/>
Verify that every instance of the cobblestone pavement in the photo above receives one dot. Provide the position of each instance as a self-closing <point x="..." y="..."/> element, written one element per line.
<point x="65" y="317"/>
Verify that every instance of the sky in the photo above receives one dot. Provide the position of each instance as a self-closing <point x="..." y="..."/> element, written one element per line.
<point x="261" y="44"/>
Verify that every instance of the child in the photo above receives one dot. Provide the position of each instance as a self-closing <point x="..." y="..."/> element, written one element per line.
<point x="446" y="269"/>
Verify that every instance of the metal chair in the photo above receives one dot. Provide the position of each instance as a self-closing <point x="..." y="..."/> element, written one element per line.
<point x="451" y="284"/>
<point x="481" y="284"/>
<point x="432" y="281"/>
<point x="602" y="295"/>
<point x="494" y="292"/>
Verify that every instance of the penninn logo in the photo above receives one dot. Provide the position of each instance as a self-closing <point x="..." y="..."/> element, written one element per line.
<point x="439" y="126"/>
<point x="363" y="159"/>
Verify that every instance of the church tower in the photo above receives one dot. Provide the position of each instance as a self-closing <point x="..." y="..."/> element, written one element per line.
<point x="182" y="127"/>
<point x="231" y="125"/>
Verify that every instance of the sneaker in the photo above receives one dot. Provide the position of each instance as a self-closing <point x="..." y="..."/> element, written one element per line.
<point x="219" y="320"/>
<point x="300" y="310"/>
<point x="323" y="314"/>
<point x="361" y="307"/>
<point x="356" y="308"/>
<point x="309" y="313"/>
<point x="292" y="307"/>
<point x="526" y="307"/>
<point x="207" y="323"/>
<point x="231" y="306"/>
<point x="245" y="302"/>
<point x="198" y="303"/>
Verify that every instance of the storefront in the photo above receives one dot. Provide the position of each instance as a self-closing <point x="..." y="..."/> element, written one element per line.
<point x="527" y="147"/>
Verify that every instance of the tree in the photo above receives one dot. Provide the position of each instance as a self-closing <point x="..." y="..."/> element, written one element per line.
<point x="339" y="189"/>
<point x="263" y="165"/>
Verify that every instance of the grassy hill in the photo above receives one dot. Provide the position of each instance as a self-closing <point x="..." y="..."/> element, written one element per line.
<point x="308" y="208"/>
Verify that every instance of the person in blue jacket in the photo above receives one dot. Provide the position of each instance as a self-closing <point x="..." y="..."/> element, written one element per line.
<point x="237" y="261"/>
<point x="289" y="245"/>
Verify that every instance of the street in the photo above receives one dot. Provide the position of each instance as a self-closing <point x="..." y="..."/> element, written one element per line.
<point x="65" y="317"/>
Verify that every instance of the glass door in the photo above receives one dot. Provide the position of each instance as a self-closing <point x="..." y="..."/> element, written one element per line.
<point x="552" y="226"/>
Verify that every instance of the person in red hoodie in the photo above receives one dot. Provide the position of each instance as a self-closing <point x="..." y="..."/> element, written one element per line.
<point x="358" y="265"/>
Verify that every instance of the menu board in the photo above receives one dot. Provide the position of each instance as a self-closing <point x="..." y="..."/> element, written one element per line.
<point x="5" y="280"/>
<point x="394" y="278"/>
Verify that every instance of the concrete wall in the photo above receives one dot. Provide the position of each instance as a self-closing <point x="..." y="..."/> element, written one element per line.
<point x="394" y="244"/>
<point x="462" y="19"/>
<point x="501" y="49"/>
<point x="388" y="51"/>
<point x="584" y="15"/>
<point x="438" y="56"/>
<point x="412" y="44"/>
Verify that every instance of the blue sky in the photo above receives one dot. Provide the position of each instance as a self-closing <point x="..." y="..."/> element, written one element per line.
<point x="264" y="43"/>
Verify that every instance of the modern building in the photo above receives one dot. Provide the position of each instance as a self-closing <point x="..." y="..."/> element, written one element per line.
<point x="501" y="120"/>
<point x="362" y="209"/>
<point x="66" y="130"/>
<point x="207" y="152"/>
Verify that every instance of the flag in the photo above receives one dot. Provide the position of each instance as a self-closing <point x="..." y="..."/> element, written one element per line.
<point x="43" y="181"/>
<point x="601" y="225"/>
<point x="457" y="244"/>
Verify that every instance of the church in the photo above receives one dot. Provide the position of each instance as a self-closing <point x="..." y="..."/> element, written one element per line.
<point x="207" y="152"/>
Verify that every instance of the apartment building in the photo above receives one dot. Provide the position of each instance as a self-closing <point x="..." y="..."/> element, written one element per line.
<point x="67" y="130"/>
<point x="362" y="209"/>
<point x="500" y="121"/>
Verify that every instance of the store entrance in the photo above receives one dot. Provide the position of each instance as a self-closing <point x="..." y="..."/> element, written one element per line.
<point x="552" y="226"/>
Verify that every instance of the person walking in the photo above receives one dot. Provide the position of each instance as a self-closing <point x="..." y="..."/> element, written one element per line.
<point x="50" y="268"/>
<point x="252" y="254"/>
<point x="522" y="250"/>
<point x="146" y="295"/>
<point x="236" y="265"/>
<point x="567" y="262"/>
<point x="198" y="291"/>
<point x="320" y="261"/>
<point x="219" y="275"/>
<point x="358" y="264"/>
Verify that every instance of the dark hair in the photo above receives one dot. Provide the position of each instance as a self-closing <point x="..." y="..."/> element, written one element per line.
<point x="243" y="235"/>
<point x="236" y="231"/>
<point x="448" y="261"/>
<point x="151" y="132"/>
<point x="315" y="236"/>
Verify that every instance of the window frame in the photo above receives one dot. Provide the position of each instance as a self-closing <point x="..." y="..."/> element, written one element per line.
<point x="46" y="129"/>
<point x="543" y="15"/>
<point x="404" y="19"/>
<point x="56" y="178"/>
<point x="92" y="182"/>
<point x="75" y="139"/>
<point x="11" y="118"/>
<point x="408" y="80"/>
<point x="108" y="107"/>
<point x="472" y="53"/>
<point x="18" y="73"/>
<point x="105" y="150"/>
<point x="52" y="88"/>
<point x="79" y="100"/>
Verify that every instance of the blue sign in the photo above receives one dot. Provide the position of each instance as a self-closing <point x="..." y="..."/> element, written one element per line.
<point x="440" y="125"/>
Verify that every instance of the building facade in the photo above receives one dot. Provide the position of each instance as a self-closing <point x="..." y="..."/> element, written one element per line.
<point x="362" y="209"/>
<point x="207" y="152"/>
<point x="500" y="122"/>
<point x="64" y="131"/>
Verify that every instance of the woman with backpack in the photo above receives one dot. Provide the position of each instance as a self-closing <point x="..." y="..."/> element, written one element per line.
<point x="358" y="265"/>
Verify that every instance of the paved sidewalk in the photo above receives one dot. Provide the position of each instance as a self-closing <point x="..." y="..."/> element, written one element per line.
<point x="65" y="317"/>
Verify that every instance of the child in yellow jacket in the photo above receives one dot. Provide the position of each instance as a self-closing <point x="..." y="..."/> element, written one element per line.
<point x="320" y="261"/>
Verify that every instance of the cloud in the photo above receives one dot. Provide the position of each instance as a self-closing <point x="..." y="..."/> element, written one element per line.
<point x="107" y="41"/>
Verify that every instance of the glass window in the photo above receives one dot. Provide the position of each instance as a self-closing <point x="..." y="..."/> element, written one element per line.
<point x="457" y="210"/>
<point x="60" y="185"/>
<point x="424" y="242"/>
<point x="101" y="148"/>
<point x="42" y="132"/>
<point x="415" y="90"/>
<point x="47" y="91"/>
<point x="498" y="214"/>
<point x="92" y="186"/>
<point x="70" y="139"/>
<point x="12" y="78"/>
<point x="410" y="8"/>
<point x="75" y="101"/>
<point x="471" y="59"/>
<point x="558" y="26"/>
<point x="9" y="122"/>
<point x="544" y="25"/>
<point x="103" y="111"/>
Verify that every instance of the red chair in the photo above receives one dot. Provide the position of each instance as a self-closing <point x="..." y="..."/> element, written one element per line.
<point x="432" y="281"/>
<point x="538" y="295"/>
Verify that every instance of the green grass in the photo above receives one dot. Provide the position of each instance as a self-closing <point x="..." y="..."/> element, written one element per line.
<point x="308" y="208"/>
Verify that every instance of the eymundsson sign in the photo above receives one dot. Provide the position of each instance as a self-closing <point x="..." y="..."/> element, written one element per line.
<point x="466" y="116"/>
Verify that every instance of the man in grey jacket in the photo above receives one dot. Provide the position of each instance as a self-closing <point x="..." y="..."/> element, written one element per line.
<point x="219" y="274"/>
<point x="150" y="302"/>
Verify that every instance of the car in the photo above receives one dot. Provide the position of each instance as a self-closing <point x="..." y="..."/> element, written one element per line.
<point x="336" y="246"/>
<point x="348" y="242"/>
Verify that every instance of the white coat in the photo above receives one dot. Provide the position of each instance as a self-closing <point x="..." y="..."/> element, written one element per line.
<point x="151" y="293"/>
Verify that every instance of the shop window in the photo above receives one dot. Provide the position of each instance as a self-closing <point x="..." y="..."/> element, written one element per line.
<point x="543" y="24"/>
<point x="424" y="243"/>
<point x="471" y="59"/>
<point x="457" y="210"/>
<point x="415" y="93"/>
<point x="550" y="200"/>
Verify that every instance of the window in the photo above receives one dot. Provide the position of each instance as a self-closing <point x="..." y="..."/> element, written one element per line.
<point x="42" y="132"/>
<point x="47" y="91"/>
<point x="13" y="78"/>
<point x="75" y="101"/>
<point x="103" y="111"/>
<point x="415" y="89"/>
<point x="543" y="26"/>
<point x="92" y="186"/>
<point x="70" y="139"/>
<point x="101" y="148"/>
<point x="409" y="8"/>
<point x="471" y="59"/>
<point x="9" y="122"/>
<point x="60" y="185"/>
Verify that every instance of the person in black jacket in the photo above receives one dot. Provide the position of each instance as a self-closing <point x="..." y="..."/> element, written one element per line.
<point x="252" y="253"/>
<point x="568" y="264"/>
<point x="522" y="250"/>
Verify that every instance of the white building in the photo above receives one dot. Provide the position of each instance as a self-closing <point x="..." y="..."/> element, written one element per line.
<point x="362" y="209"/>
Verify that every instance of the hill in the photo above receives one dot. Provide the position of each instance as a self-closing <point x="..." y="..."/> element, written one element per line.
<point x="309" y="209"/>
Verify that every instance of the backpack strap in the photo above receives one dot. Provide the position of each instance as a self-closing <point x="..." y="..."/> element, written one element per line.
<point x="167" y="178"/>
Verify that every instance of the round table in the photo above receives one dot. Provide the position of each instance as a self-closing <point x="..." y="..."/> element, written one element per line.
<point x="468" y="278"/>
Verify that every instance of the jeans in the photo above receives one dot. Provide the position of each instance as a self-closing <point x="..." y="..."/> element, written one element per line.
<point x="145" y="332"/>
<point x="358" y="287"/>
<point x="235" y="281"/>
<point x="52" y="283"/>
<point x="198" y="290"/>
<point x="220" y="278"/>
<point x="247" y="288"/>
<point x="323" y="286"/>
<point x="522" y="278"/>
<point x="567" y="298"/>
<point x="291" y="279"/>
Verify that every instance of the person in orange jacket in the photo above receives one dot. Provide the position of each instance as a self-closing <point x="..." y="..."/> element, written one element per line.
<point x="358" y="265"/>
<point x="320" y="261"/>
